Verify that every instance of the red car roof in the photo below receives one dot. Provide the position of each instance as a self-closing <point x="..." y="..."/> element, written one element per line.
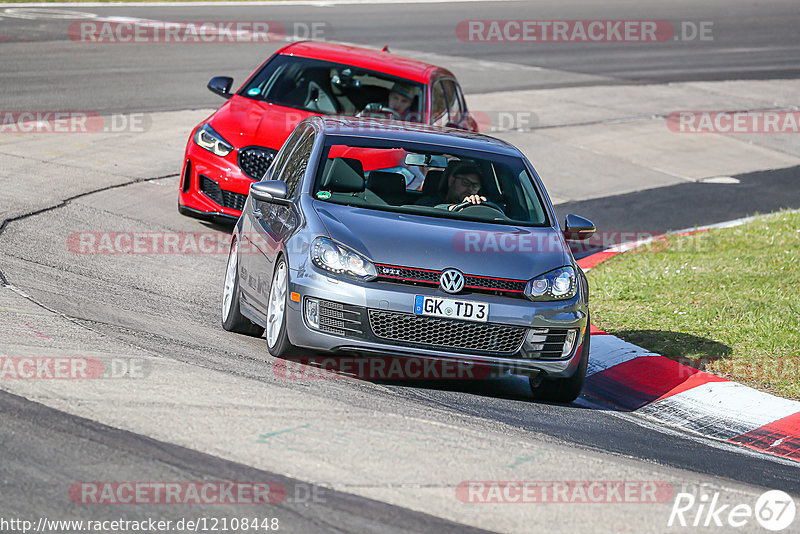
<point x="366" y="58"/>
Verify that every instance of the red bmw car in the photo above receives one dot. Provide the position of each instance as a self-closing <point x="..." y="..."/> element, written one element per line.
<point x="236" y="145"/>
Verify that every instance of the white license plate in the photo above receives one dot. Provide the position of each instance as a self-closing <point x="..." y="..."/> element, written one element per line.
<point x="451" y="308"/>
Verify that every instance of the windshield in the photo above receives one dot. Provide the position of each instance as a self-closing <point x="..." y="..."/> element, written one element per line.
<point x="335" y="89"/>
<point x="428" y="180"/>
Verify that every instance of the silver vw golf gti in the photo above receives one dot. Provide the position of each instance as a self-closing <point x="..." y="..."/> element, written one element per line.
<point x="381" y="238"/>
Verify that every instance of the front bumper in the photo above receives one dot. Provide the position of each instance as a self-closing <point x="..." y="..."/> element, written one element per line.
<point x="223" y="174"/>
<point x="394" y="298"/>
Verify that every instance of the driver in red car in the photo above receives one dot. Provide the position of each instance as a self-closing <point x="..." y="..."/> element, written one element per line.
<point x="399" y="103"/>
<point x="400" y="98"/>
<point x="463" y="185"/>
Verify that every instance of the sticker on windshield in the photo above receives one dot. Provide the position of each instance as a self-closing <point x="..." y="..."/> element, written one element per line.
<point x="255" y="91"/>
<point x="323" y="195"/>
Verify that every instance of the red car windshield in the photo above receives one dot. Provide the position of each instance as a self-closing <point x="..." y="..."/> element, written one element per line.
<point x="335" y="89"/>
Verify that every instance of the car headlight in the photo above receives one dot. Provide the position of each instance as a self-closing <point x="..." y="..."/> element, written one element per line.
<point x="559" y="284"/>
<point x="206" y="137"/>
<point x="330" y="256"/>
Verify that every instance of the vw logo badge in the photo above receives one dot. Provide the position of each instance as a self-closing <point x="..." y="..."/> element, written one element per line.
<point x="451" y="281"/>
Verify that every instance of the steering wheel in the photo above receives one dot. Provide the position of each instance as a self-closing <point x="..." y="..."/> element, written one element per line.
<point x="486" y="203"/>
<point x="377" y="107"/>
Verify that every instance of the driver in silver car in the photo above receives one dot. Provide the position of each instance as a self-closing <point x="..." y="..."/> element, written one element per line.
<point x="463" y="185"/>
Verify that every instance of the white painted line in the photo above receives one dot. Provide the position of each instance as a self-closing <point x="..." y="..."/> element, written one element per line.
<point x="731" y="223"/>
<point x="607" y="351"/>
<point x="720" y="180"/>
<point x="21" y="12"/>
<point x="312" y="3"/>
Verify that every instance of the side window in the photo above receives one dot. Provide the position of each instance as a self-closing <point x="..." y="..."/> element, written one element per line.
<point x="452" y="101"/>
<point x="298" y="162"/>
<point x="462" y="104"/>
<point x="276" y="169"/>
<point x="438" y="105"/>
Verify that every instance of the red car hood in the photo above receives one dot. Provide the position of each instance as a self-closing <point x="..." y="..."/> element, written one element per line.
<point x="243" y="122"/>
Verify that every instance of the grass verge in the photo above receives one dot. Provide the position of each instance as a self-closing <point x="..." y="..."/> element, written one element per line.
<point x="726" y="301"/>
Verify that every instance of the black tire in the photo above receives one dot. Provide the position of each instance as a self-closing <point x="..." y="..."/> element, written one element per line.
<point x="564" y="390"/>
<point x="281" y="345"/>
<point x="233" y="320"/>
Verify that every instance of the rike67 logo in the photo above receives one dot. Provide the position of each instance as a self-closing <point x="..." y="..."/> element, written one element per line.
<point x="774" y="510"/>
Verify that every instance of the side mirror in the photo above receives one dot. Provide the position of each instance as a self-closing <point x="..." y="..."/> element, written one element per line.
<point x="221" y="85"/>
<point x="576" y="228"/>
<point x="273" y="191"/>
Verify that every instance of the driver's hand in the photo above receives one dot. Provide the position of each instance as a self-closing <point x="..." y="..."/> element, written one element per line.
<point x="472" y="199"/>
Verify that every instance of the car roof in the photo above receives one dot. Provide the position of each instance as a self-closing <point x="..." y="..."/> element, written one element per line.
<point x="365" y="58"/>
<point x="371" y="128"/>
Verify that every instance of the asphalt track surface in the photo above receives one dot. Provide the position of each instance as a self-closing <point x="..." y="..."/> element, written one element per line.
<point x="751" y="40"/>
<point x="46" y="449"/>
<point x="29" y="431"/>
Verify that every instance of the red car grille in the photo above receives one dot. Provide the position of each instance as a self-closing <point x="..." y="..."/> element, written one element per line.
<point x="254" y="161"/>
<point x="229" y="199"/>
<point x="485" y="284"/>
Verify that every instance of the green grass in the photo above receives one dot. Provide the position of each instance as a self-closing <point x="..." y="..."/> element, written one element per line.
<point x="726" y="301"/>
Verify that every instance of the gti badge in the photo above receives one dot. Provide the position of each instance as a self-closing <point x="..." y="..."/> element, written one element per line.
<point x="451" y="280"/>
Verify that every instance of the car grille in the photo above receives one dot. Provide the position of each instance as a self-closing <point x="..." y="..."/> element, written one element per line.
<point x="232" y="200"/>
<point x="407" y="274"/>
<point x="485" y="284"/>
<point x="229" y="199"/>
<point x="340" y="319"/>
<point x="254" y="161"/>
<point x="546" y="343"/>
<point x="435" y="332"/>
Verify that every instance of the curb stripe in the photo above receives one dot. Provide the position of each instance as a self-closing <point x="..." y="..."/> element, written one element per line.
<point x="626" y="377"/>
<point x="781" y="437"/>
<point x="593" y="330"/>
<point x="644" y="380"/>
<point x="722" y="410"/>
<point x="598" y="257"/>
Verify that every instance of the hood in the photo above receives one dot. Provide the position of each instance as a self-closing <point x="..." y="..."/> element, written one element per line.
<point x="243" y="122"/>
<point x="515" y="252"/>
